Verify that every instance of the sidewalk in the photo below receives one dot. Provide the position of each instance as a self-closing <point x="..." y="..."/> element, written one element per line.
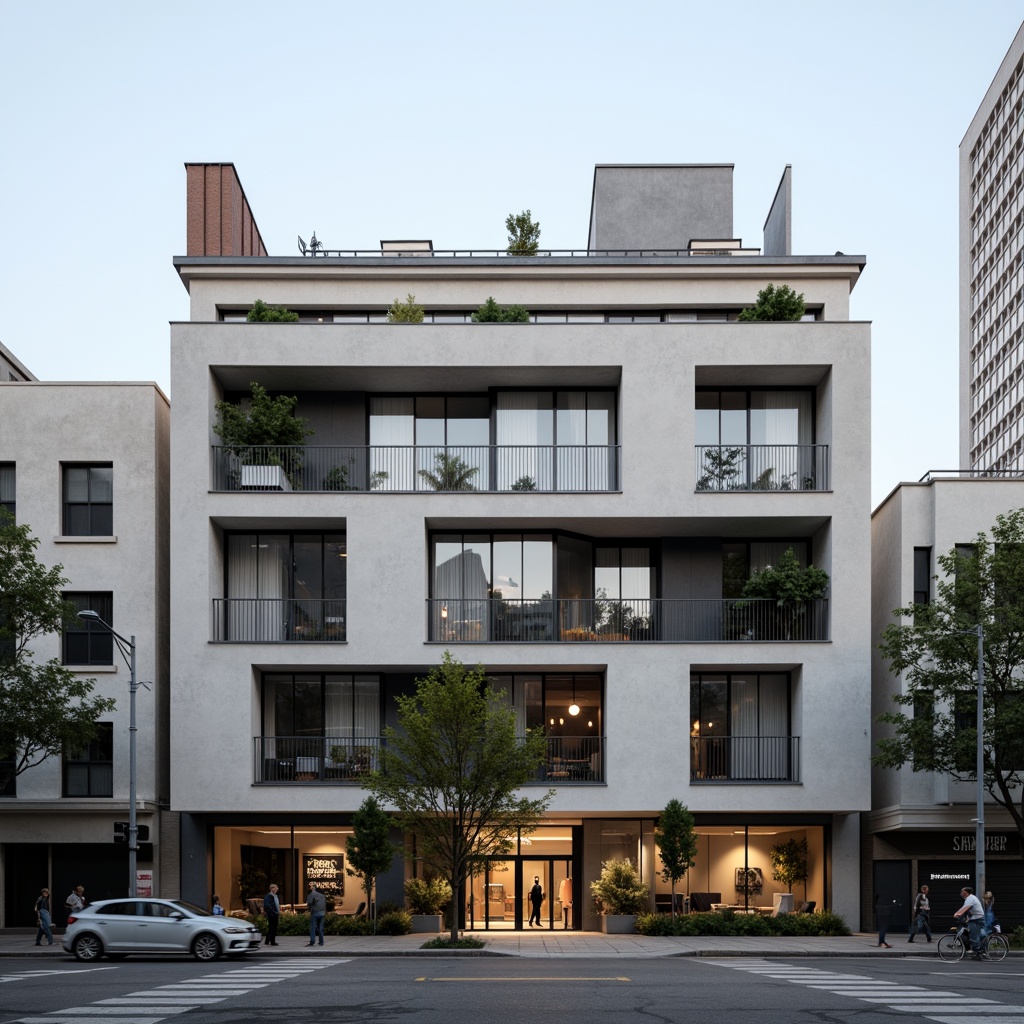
<point x="568" y="944"/>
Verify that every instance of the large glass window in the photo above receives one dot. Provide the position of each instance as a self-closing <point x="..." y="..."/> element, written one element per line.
<point x="286" y="586"/>
<point x="88" y="501"/>
<point x="89" y="771"/>
<point x="85" y="641"/>
<point x="740" y="726"/>
<point x="7" y="487"/>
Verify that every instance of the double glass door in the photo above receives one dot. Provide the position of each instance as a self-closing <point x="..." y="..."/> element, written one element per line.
<point x="501" y="894"/>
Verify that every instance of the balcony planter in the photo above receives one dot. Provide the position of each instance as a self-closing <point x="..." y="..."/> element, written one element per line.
<point x="618" y="924"/>
<point x="263" y="478"/>
<point x="426" y="923"/>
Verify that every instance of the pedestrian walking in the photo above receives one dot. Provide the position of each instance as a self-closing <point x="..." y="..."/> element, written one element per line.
<point x="272" y="908"/>
<point x="75" y="901"/>
<point x="990" y="924"/>
<point x="536" y="900"/>
<point x="317" y="903"/>
<point x="922" y="915"/>
<point x="43" y="918"/>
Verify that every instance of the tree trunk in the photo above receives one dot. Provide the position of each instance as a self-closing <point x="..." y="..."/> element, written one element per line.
<point x="456" y="908"/>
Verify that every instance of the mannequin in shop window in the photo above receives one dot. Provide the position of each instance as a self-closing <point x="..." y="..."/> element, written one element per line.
<point x="565" y="898"/>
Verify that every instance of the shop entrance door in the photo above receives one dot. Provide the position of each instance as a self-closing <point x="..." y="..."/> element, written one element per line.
<point x="553" y="874"/>
<point x="499" y="894"/>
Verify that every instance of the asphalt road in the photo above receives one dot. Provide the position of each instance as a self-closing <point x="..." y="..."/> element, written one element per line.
<point x="448" y="990"/>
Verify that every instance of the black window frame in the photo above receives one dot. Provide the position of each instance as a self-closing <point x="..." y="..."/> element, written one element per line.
<point x="98" y="514"/>
<point x="97" y="758"/>
<point x="97" y="640"/>
<point x="8" y="470"/>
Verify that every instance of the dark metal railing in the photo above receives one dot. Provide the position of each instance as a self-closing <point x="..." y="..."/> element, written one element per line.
<point x="278" y="620"/>
<point x="314" y="758"/>
<point x="744" y="758"/>
<point x="448" y="254"/>
<point x="573" y="759"/>
<point x="648" y="620"/>
<point x="421" y="468"/>
<point x="762" y="467"/>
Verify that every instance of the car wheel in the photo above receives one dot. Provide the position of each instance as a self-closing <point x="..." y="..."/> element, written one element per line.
<point x="87" y="948"/>
<point x="206" y="947"/>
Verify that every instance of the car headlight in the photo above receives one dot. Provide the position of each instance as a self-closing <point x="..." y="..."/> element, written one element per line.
<point x="236" y="929"/>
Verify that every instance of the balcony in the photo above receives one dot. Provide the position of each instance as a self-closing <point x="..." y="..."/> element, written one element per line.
<point x="318" y="759"/>
<point x="394" y="469"/>
<point x="655" y="620"/>
<point x="744" y="759"/>
<point x="278" y="759"/>
<point x="763" y="467"/>
<point x="278" y="620"/>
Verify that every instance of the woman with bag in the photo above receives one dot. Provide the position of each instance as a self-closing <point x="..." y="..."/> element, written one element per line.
<point x="43" y="918"/>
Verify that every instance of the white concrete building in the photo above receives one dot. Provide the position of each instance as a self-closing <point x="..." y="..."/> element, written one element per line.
<point x="992" y="275"/>
<point x="85" y="465"/>
<point x="921" y="827"/>
<point x="632" y="453"/>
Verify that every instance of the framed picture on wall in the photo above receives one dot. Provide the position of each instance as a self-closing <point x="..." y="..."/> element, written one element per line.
<point x="327" y="870"/>
<point x="750" y="881"/>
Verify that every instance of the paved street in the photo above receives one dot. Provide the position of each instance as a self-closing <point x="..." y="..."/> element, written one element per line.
<point x="332" y="989"/>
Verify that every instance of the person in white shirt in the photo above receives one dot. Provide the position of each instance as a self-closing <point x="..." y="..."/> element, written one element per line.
<point x="974" y="915"/>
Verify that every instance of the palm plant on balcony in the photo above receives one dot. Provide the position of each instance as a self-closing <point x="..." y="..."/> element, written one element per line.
<point x="451" y="472"/>
<point x="791" y="587"/>
<point x="263" y="431"/>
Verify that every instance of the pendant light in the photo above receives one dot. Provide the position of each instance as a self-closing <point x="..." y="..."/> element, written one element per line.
<point x="574" y="708"/>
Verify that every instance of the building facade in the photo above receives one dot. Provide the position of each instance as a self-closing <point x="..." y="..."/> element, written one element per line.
<point x="921" y="828"/>
<point x="575" y="503"/>
<point x="85" y="465"/>
<point x="992" y="275"/>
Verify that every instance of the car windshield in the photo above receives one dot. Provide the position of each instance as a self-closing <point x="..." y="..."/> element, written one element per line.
<point x="192" y="908"/>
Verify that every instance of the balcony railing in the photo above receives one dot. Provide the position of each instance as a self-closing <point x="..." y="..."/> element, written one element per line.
<point x="763" y="467"/>
<point x="314" y="758"/>
<point x="278" y="620"/>
<point x="279" y="759"/>
<point x="653" y="620"/>
<point x="745" y="759"/>
<point x="418" y="468"/>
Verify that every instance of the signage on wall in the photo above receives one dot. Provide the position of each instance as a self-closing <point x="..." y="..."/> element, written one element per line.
<point x="995" y="842"/>
<point x="143" y="883"/>
<point x="327" y="870"/>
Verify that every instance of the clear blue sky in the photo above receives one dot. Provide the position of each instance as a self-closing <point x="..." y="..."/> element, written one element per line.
<point x="434" y="120"/>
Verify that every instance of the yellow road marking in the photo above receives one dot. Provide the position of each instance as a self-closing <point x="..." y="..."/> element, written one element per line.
<point x="560" y="979"/>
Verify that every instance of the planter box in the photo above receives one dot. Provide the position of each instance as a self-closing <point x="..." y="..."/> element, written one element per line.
<point x="263" y="478"/>
<point x="618" y="924"/>
<point x="426" y="923"/>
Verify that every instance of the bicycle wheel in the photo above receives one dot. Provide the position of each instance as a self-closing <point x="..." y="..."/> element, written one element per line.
<point x="951" y="948"/>
<point x="997" y="946"/>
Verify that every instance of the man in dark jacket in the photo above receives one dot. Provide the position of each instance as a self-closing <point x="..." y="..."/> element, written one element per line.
<point x="317" y="903"/>
<point x="272" y="908"/>
<point x="536" y="899"/>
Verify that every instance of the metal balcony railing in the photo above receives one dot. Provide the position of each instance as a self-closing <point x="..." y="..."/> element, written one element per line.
<point x="418" y="468"/>
<point x="744" y="758"/>
<point x="649" y="620"/>
<point x="763" y="467"/>
<point x="278" y="620"/>
<point x="572" y="759"/>
<point x="314" y="758"/>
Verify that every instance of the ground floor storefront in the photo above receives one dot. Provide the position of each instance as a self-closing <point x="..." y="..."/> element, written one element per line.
<point x="236" y="857"/>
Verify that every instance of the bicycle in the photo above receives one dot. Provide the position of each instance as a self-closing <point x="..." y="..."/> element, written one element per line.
<point x="954" y="945"/>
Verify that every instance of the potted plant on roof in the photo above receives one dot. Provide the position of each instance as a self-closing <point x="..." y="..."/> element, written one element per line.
<point x="427" y="898"/>
<point x="789" y="589"/>
<point x="266" y="438"/>
<point x="620" y="896"/>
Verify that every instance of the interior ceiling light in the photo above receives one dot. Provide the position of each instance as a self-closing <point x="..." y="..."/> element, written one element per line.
<point x="574" y="708"/>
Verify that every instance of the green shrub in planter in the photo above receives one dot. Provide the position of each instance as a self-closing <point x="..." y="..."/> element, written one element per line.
<point x="427" y="895"/>
<point x="619" y="889"/>
<point x="445" y="942"/>
<point x="394" y="922"/>
<point x="823" y="923"/>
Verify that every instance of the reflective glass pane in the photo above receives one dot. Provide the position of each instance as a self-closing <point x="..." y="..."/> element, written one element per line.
<point x="101" y="483"/>
<point x="76" y="483"/>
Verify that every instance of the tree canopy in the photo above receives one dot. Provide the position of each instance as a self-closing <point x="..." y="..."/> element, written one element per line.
<point x="523" y="234"/>
<point x="452" y="770"/>
<point x="408" y="312"/>
<point x="369" y="848"/>
<point x="45" y="708"/>
<point x="262" y="421"/>
<point x="775" y="303"/>
<point x="493" y="313"/>
<point x="261" y="313"/>
<point x="677" y="844"/>
<point x="934" y="648"/>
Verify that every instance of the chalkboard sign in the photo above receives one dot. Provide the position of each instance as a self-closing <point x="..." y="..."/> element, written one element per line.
<point x="327" y="870"/>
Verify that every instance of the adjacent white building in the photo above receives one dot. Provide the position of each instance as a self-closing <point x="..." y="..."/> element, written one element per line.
<point x="85" y="465"/>
<point x="632" y="455"/>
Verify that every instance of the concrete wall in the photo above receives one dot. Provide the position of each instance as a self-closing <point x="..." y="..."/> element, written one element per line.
<point x="778" y="225"/>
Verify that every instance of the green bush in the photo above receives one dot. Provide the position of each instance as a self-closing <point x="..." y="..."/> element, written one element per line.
<point x="728" y="923"/>
<point x="394" y="922"/>
<point x="491" y="313"/>
<point x="1016" y="937"/>
<point x="427" y="895"/>
<point x="334" y="924"/>
<point x="781" y="303"/>
<point x="408" y="312"/>
<point x="619" y="889"/>
<point x="444" y="942"/>
<point x="261" y="313"/>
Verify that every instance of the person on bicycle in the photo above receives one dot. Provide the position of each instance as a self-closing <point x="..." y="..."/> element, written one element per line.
<point x="974" y="915"/>
<point x="922" y="916"/>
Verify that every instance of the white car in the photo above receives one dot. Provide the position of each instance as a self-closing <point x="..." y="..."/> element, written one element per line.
<point x="115" y="928"/>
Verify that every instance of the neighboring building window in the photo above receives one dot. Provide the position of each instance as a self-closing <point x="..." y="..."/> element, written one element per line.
<point x="88" y="501"/>
<point x="90" y="770"/>
<point x="7" y="489"/>
<point x="87" y="642"/>
<point x="922" y="575"/>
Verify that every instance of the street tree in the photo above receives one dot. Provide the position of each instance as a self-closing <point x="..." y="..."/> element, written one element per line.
<point x="45" y="709"/>
<point x="370" y="850"/>
<point x="934" y="649"/>
<point x="523" y="234"/>
<point x="781" y="303"/>
<point x="453" y="768"/>
<point x="676" y="837"/>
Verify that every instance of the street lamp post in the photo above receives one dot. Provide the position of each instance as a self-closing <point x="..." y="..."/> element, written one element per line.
<point x="128" y="646"/>
<point x="979" y="831"/>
